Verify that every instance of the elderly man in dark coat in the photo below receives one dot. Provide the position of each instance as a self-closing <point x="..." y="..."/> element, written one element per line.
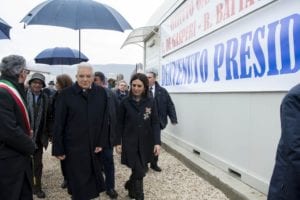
<point x="16" y="145"/>
<point x="285" y="181"/>
<point x="80" y="133"/>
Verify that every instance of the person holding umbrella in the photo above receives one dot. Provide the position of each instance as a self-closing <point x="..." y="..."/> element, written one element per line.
<point x="138" y="133"/>
<point x="16" y="145"/>
<point x="80" y="133"/>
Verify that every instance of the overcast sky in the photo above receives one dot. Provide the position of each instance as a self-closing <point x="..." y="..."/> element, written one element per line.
<point x="100" y="46"/>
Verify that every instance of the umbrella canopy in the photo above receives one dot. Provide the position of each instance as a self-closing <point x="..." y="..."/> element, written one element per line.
<point x="4" y="30"/>
<point x="77" y="14"/>
<point x="60" y="56"/>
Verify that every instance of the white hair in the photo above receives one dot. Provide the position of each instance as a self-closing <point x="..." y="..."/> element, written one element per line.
<point x="85" y="65"/>
<point x="12" y="65"/>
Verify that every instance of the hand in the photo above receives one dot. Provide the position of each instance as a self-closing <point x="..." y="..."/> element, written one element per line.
<point x="62" y="157"/>
<point x="118" y="149"/>
<point x="174" y="123"/>
<point x="31" y="133"/>
<point x="98" y="149"/>
<point x="156" y="150"/>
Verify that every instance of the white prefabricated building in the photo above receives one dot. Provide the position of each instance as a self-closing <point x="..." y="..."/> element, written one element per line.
<point x="227" y="64"/>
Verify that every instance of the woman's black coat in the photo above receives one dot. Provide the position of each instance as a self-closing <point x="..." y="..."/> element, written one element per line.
<point x="138" y="130"/>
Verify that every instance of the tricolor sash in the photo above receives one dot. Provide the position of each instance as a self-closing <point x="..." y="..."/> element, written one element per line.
<point x="19" y="100"/>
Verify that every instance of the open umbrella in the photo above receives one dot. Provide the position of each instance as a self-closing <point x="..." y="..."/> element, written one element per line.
<point x="60" y="56"/>
<point x="4" y="30"/>
<point x="77" y="14"/>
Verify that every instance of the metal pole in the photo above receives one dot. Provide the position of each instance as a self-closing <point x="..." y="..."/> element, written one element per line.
<point x="79" y="43"/>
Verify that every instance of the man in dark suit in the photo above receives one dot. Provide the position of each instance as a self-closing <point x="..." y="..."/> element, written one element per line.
<point x="106" y="154"/>
<point x="16" y="145"/>
<point x="165" y="107"/>
<point x="285" y="181"/>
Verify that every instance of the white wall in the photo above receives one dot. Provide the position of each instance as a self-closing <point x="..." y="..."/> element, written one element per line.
<point x="239" y="131"/>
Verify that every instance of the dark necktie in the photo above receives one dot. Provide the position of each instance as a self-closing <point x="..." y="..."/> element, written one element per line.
<point x="151" y="92"/>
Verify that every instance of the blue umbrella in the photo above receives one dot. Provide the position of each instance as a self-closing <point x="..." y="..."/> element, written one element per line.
<point x="60" y="56"/>
<point x="77" y="14"/>
<point x="4" y="30"/>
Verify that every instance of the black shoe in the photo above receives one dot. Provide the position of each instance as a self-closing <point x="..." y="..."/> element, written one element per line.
<point x="127" y="185"/>
<point x="130" y="187"/>
<point x="64" y="184"/>
<point x="40" y="194"/>
<point x="146" y="168"/>
<point x="155" y="168"/>
<point x="112" y="194"/>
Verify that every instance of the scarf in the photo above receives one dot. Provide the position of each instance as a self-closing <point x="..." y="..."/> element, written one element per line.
<point x="35" y="117"/>
<point x="9" y="87"/>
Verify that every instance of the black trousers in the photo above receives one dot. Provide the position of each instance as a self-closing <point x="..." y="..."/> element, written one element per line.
<point x="26" y="192"/>
<point x="63" y="169"/>
<point x="107" y="159"/>
<point x="37" y="167"/>
<point x="154" y="160"/>
<point x="138" y="172"/>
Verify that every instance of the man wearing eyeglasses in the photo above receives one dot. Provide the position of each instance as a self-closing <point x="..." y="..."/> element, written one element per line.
<point x="38" y="108"/>
<point x="16" y="145"/>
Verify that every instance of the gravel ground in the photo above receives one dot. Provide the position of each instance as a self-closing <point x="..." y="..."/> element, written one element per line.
<point x="175" y="182"/>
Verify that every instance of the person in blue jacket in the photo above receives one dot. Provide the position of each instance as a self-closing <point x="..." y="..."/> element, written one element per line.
<point x="285" y="181"/>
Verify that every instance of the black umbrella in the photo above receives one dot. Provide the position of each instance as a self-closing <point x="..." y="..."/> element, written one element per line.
<point x="77" y="14"/>
<point x="60" y="56"/>
<point x="4" y="30"/>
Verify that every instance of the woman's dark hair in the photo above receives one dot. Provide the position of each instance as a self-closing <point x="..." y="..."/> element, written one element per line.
<point x="64" y="80"/>
<point x="144" y="79"/>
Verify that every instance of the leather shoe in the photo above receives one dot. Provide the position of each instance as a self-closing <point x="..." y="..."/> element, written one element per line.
<point x="146" y="168"/>
<point x="64" y="184"/>
<point x="112" y="194"/>
<point x="40" y="194"/>
<point x="155" y="168"/>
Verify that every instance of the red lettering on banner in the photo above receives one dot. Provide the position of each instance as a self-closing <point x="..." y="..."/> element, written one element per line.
<point x="245" y="4"/>
<point x="201" y="4"/>
<point x="181" y="37"/>
<point x="225" y="10"/>
<point x="207" y="23"/>
<point x="180" y="18"/>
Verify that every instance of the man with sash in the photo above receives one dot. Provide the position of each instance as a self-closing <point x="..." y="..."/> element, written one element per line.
<point x="16" y="145"/>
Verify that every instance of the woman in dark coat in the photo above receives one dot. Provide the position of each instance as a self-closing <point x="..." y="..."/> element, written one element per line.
<point x="285" y="181"/>
<point x="138" y="132"/>
<point x="62" y="81"/>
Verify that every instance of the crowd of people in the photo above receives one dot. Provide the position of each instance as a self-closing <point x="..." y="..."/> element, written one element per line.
<point x="85" y="121"/>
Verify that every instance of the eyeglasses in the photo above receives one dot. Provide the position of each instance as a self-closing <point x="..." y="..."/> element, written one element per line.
<point x="26" y="71"/>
